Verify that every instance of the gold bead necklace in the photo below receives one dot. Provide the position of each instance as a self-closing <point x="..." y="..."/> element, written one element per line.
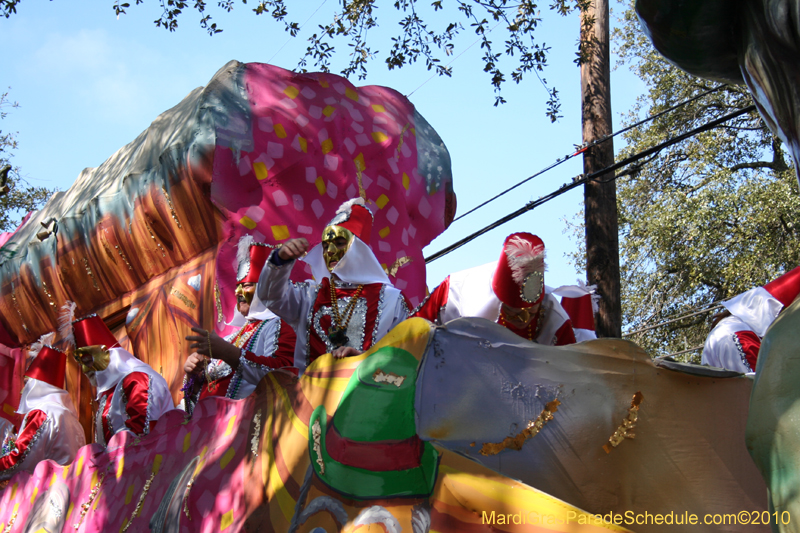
<point x="337" y="331"/>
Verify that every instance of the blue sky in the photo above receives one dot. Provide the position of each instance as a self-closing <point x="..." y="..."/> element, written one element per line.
<point x="89" y="83"/>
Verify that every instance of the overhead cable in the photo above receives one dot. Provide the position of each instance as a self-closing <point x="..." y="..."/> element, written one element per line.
<point x="453" y="60"/>
<point x="278" y="51"/>
<point x="660" y="324"/>
<point x="683" y="352"/>
<point x="580" y="180"/>
<point x="584" y="147"/>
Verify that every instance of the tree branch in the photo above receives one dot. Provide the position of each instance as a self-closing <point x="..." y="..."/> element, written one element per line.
<point x="4" y="188"/>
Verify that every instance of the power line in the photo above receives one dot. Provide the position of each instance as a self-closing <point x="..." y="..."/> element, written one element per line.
<point x="583" y="179"/>
<point x="580" y="148"/>
<point x="660" y="114"/>
<point x="583" y="148"/>
<point x="298" y="29"/>
<point x="660" y="324"/>
<point x="452" y="60"/>
<point x="683" y="352"/>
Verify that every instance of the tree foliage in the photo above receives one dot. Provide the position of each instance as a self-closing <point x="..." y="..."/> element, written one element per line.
<point x="18" y="197"/>
<point x="705" y="219"/>
<point x="425" y="32"/>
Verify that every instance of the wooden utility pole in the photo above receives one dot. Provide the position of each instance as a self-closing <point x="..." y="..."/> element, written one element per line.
<point x="600" y="199"/>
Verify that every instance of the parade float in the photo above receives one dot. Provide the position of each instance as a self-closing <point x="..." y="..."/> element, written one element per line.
<point x="753" y="43"/>
<point x="464" y="427"/>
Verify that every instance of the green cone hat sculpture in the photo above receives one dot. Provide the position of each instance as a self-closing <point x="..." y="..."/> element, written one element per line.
<point x="371" y="448"/>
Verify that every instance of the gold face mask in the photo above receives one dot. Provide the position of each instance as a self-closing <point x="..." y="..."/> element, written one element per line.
<point x="336" y="240"/>
<point x="93" y="358"/>
<point x="246" y="291"/>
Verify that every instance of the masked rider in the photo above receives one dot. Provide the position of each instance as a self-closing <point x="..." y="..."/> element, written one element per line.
<point x="50" y="428"/>
<point x="131" y="396"/>
<point x="239" y="361"/>
<point x="735" y="340"/>
<point x="351" y="305"/>
<point x="510" y="292"/>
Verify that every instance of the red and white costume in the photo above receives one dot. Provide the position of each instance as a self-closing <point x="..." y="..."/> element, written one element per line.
<point x="759" y="307"/>
<point x="735" y="341"/>
<point x="50" y="427"/>
<point x="307" y="308"/>
<point x="131" y="396"/>
<point x="732" y="344"/>
<point x="580" y="302"/>
<point x="266" y="342"/>
<point x="266" y="345"/>
<point x="474" y="293"/>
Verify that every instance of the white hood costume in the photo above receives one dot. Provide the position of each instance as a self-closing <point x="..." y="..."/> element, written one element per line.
<point x="50" y="428"/>
<point x="366" y="302"/>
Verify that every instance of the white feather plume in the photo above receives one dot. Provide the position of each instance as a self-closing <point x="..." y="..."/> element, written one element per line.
<point x="36" y="347"/>
<point x="347" y="207"/>
<point x="243" y="252"/>
<point x="523" y="258"/>
<point x="65" y="322"/>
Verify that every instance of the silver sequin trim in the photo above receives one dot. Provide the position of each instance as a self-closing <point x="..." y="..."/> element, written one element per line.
<point x="534" y="277"/>
<point x="740" y="349"/>
<point x="124" y="402"/>
<point x="381" y="297"/>
<point x="355" y="328"/>
<point x="309" y="321"/>
<point x="99" y="434"/>
<point x="148" y="413"/>
<point x="9" y="472"/>
<point x="238" y="375"/>
<point x="251" y="364"/>
<point x="437" y="319"/>
<point x="244" y="268"/>
<point x="423" y="302"/>
<point x="218" y="369"/>
<point x="275" y="340"/>
<point x="267" y="353"/>
<point x="404" y="305"/>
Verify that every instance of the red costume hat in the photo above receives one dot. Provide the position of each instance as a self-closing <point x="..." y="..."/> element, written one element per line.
<point x="91" y="331"/>
<point x="518" y="280"/>
<point x="786" y="288"/>
<point x="354" y="217"/>
<point x="86" y="331"/>
<point x="251" y="256"/>
<point x="50" y="366"/>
